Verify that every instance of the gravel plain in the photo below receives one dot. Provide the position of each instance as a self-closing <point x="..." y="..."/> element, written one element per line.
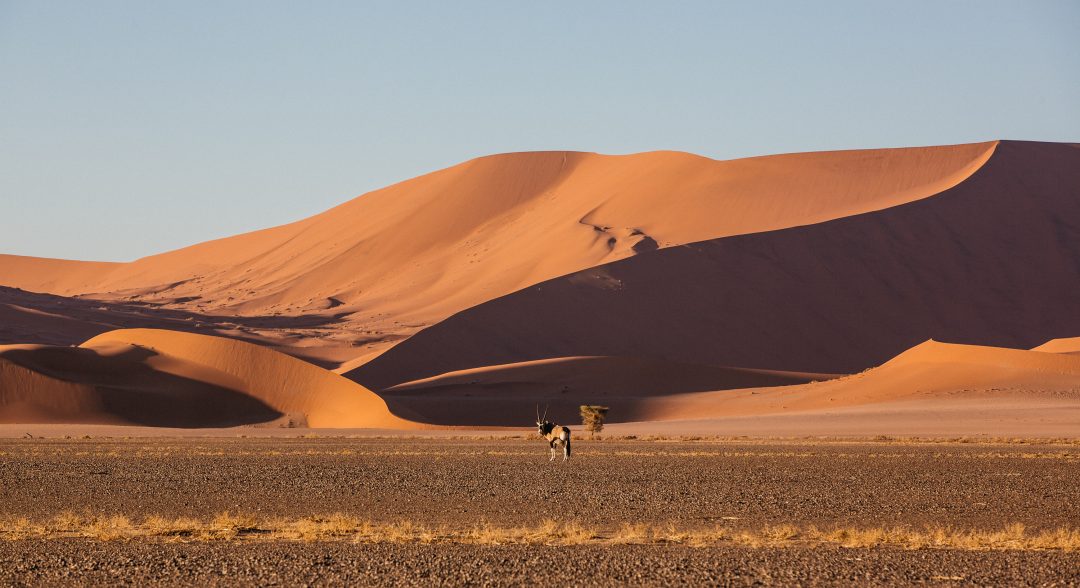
<point x="509" y="482"/>
<point x="91" y="563"/>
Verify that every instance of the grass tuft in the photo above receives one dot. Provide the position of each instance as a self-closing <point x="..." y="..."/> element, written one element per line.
<point x="343" y="527"/>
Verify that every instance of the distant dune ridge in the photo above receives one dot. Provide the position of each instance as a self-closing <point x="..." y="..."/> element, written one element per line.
<point x="664" y="284"/>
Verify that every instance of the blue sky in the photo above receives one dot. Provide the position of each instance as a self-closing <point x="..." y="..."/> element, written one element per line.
<point x="131" y="128"/>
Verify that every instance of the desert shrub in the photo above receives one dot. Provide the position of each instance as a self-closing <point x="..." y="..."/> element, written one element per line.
<point x="592" y="417"/>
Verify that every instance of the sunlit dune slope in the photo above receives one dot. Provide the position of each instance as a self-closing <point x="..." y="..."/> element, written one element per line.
<point x="509" y="394"/>
<point x="166" y="378"/>
<point x="61" y="276"/>
<point x="423" y="249"/>
<point x="1066" y="345"/>
<point x="993" y="260"/>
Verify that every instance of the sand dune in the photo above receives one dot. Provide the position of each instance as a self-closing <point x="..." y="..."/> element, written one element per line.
<point x="156" y="377"/>
<point x="934" y="389"/>
<point x="289" y="385"/>
<point x="409" y="255"/>
<point x="60" y="276"/>
<point x="927" y="374"/>
<point x="509" y="394"/>
<point x="28" y="396"/>
<point x="117" y="384"/>
<point x="1066" y="345"/>
<point x="985" y="381"/>
<point x="993" y="260"/>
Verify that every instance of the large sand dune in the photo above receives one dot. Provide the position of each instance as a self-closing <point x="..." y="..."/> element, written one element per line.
<point x="157" y="377"/>
<point x="409" y="255"/>
<point x="993" y="260"/>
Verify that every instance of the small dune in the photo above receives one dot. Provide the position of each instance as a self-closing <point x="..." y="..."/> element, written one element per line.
<point x="1066" y="345"/>
<point x="117" y="384"/>
<point x="928" y="375"/>
<point x="168" y="378"/>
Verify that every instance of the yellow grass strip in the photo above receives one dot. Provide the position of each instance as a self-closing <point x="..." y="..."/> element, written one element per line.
<point x="343" y="527"/>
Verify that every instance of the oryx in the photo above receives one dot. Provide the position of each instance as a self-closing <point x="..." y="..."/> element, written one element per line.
<point x="554" y="434"/>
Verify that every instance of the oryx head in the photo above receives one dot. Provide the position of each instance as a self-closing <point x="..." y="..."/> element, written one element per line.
<point x="542" y="424"/>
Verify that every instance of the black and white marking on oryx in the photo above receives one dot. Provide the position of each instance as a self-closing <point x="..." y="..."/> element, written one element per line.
<point x="556" y="436"/>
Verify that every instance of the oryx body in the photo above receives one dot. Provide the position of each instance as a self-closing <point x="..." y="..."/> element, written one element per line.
<point x="557" y="436"/>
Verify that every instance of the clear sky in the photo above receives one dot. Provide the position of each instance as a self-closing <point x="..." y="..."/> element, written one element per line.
<point x="131" y="128"/>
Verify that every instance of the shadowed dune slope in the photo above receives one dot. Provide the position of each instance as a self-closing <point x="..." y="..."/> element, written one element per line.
<point x="929" y="375"/>
<point x="28" y="396"/>
<point x="287" y="384"/>
<point x="26" y="317"/>
<point x="437" y="244"/>
<point x="508" y="394"/>
<point x="994" y="260"/>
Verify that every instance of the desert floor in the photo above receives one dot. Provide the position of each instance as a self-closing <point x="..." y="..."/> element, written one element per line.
<point x="429" y="511"/>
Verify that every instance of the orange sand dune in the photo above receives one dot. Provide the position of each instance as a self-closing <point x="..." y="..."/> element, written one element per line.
<point x="409" y="255"/>
<point x="147" y="376"/>
<point x="1066" y="345"/>
<point x="993" y="260"/>
<point x="116" y="384"/>
<point x="287" y="384"/>
<point x="934" y="389"/>
<point x="43" y="274"/>
<point x="926" y="374"/>
<point x="509" y="394"/>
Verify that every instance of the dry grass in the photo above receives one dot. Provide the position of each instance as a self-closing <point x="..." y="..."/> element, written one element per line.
<point x="342" y="527"/>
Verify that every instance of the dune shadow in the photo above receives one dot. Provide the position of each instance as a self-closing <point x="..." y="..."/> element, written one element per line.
<point x="50" y="319"/>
